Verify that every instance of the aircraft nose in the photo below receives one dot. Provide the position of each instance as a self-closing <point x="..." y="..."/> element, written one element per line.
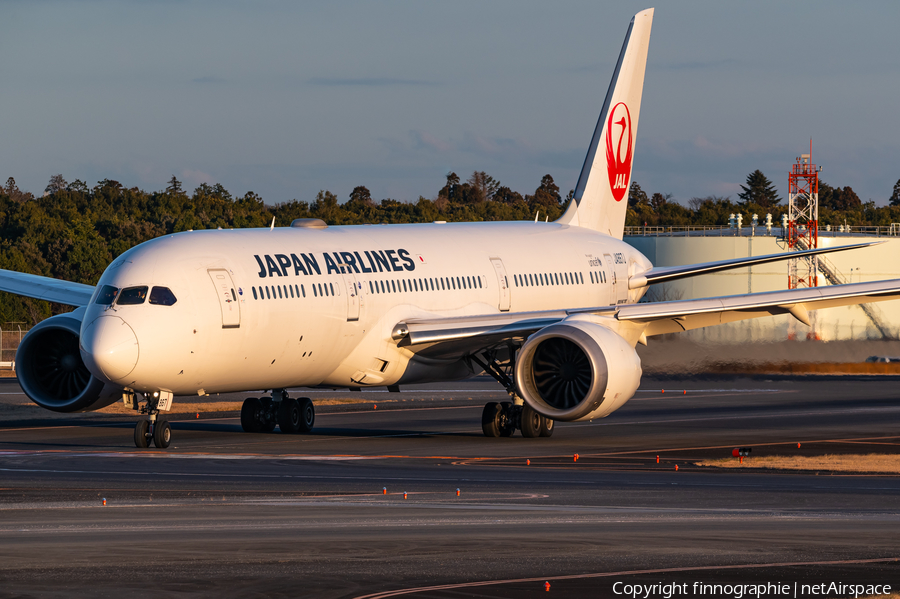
<point x="109" y="348"/>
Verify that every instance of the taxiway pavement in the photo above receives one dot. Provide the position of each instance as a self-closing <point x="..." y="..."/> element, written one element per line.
<point x="224" y="513"/>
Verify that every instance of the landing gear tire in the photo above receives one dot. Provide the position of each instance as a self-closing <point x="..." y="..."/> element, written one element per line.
<point x="141" y="436"/>
<point x="547" y="427"/>
<point x="252" y="415"/>
<point x="307" y="415"/>
<point x="289" y="416"/>
<point x="532" y="423"/>
<point x="507" y="425"/>
<point x="266" y="421"/>
<point x="496" y="419"/>
<point x="162" y="434"/>
<point x="490" y="417"/>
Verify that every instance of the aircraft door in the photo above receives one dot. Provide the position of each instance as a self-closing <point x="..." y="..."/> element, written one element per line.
<point x="502" y="283"/>
<point x="354" y="293"/>
<point x="618" y="277"/>
<point x="611" y="280"/>
<point x="228" y="299"/>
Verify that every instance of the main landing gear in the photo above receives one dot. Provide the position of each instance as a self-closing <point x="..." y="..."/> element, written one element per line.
<point x="502" y="419"/>
<point x="260" y="415"/>
<point x="154" y="430"/>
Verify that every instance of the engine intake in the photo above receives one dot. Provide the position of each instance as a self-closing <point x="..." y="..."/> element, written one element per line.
<point x="577" y="370"/>
<point x="52" y="373"/>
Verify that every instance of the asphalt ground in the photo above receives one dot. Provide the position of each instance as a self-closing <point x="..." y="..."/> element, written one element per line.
<point x="367" y="504"/>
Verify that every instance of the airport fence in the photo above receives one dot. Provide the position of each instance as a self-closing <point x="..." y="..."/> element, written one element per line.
<point x="11" y="334"/>
<point x="726" y="231"/>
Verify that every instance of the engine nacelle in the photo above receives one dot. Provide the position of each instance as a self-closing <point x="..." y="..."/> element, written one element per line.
<point x="51" y="372"/>
<point x="577" y="370"/>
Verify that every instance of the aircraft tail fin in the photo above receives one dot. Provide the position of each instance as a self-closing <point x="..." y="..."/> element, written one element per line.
<point x="601" y="196"/>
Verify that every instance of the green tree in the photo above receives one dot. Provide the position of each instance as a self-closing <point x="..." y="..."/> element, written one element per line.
<point x="637" y="196"/>
<point x="483" y="186"/>
<point x="895" y="197"/>
<point x="360" y="198"/>
<point x="759" y="190"/>
<point x="546" y="196"/>
<point x="57" y="183"/>
<point x="507" y="196"/>
<point x="174" y="186"/>
<point x="658" y="201"/>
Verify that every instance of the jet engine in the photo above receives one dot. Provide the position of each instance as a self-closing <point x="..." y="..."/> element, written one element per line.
<point x="577" y="370"/>
<point x="52" y="373"/>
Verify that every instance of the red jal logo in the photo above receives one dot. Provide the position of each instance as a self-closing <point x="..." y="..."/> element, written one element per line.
<point x="618" y="150"/>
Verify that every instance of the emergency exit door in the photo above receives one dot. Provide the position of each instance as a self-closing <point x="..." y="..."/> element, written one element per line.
<point x="228" y="298"/>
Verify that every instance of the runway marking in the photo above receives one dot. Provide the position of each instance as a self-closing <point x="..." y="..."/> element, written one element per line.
<point x="732" y="417"/>
<point x="318" y="415"/>
<point x="675" y="390"/>
<point x="640" y="454"/>
<point x="379" y="480"/>
<point x="483" y="583"/>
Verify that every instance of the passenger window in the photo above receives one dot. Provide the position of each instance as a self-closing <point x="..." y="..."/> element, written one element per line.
<point x="303" y="290"/>
<point x="479" y="282"/>
<point x="163" y="296"/>
<point x="331" y="286"/>
<point x="315" y="292"/>
<point x="107" y="295"/>
<point x="132" y="296"/>
<point x="154" y="289"/>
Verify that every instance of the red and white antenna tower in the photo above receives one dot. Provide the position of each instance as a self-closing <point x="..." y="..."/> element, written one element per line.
<point x="803" y="220"/>
<point x="803" y="229"/>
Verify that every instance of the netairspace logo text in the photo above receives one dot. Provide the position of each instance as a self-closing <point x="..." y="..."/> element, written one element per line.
<point x="740" y="591"/>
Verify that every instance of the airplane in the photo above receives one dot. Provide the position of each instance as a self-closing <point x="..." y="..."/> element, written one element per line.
<point x="549" y="309"/>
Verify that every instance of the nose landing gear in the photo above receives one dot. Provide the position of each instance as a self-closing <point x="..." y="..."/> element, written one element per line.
<point x="153" y="429"/>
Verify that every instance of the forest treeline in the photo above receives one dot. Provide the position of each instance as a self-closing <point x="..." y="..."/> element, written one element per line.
<point x="74" y="231"/>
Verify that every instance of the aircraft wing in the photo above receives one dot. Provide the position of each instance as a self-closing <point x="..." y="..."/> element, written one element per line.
<point x="672" y="273"/>
<point x="459" y="336"/>
<point x="684" y="315"/>
<point x="45" y="288"/>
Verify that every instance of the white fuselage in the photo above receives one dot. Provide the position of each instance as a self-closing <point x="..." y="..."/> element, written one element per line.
<point x="293" y="306"/>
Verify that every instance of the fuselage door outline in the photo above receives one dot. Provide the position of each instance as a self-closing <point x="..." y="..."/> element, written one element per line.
<point x="503" y="284"/>
<point x="225" y="291"/>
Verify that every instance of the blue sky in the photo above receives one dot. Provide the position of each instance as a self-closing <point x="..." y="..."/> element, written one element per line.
<point x="287" y="98"/>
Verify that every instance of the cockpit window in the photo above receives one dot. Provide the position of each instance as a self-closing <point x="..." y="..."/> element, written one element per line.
<point x="162" y="296"/>
<point x="107" y="295"/>
<point x="132" y="296"/>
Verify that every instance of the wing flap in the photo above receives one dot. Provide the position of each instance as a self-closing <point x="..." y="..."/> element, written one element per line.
<point x="45" y="288"/>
